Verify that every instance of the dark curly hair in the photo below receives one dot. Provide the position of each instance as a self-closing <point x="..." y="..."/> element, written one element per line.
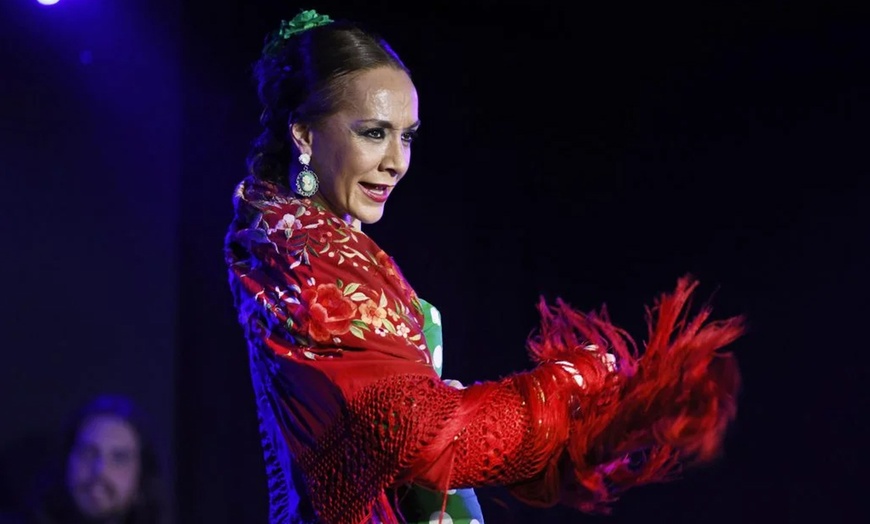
<point x="303" y="79"/>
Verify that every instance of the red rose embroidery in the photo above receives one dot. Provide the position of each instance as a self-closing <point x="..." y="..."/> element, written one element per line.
<point x="329" y="312"/>
<point x="388" y="267"/>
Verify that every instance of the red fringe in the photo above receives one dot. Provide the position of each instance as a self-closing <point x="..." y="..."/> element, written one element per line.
<point x="382" y="512"/>
<point x="669" y="407"/>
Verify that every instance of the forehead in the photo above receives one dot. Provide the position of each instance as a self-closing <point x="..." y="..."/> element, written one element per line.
<point x="107" y="431"/>
<point x="384" y="93"/>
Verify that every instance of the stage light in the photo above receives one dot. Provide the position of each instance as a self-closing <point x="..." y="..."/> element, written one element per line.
<point x="48" y="2"/>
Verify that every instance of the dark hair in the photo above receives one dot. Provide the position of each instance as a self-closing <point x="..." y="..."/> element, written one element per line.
<point x="52" y="502"/>
<point x="303" y="80"/>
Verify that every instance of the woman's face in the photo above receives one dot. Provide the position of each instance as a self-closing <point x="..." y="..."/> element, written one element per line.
<point x="103" y="467"/>
<point x="362" y="151"/>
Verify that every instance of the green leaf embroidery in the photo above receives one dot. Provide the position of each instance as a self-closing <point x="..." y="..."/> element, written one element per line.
<point x="360" y="324"/>
<point x="356" y="252"/>
<point x="357" y="332"/>
<point x="389" y="325"/>
<point x="339" y="284"/>
<point x="350" y="288"/>
<point x="359" y="297"/>
<point x="383" y="301"/>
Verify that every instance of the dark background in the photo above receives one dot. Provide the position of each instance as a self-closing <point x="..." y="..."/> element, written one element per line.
<point x="592" y="153"/>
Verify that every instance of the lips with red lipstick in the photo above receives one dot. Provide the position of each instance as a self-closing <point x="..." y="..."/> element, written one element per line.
<point x="377" y="192"/>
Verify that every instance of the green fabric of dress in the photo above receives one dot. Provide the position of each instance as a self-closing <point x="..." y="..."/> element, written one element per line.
<point x="418" y="504"/>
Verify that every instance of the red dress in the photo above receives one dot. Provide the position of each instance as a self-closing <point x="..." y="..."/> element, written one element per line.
<point x="351" y="408"/>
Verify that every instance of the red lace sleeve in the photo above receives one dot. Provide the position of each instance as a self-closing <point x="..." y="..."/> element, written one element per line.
<point x="350" y="386"/>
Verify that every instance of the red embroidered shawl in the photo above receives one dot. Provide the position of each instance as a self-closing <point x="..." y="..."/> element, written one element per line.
<point x="350" y="406"/>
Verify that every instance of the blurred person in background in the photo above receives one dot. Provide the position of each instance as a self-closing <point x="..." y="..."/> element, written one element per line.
<point x="109" y="471"/>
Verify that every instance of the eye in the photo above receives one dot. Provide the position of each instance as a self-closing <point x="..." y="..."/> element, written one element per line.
<point x="122" y="458"/>
<point x="377" y="133"/>
<point x="410" y="136"/>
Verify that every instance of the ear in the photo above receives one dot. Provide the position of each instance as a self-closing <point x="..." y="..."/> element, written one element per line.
<point x="300" y="135"/>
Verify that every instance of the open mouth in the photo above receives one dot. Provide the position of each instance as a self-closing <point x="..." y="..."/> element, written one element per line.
<point x="377" y="192"/>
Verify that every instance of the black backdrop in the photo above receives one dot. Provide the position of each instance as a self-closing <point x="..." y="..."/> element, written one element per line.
<point x="595" y="154"/>
<point x="90" y="164"/>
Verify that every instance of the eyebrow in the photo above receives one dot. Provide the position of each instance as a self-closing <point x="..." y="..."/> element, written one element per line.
<point x="387" y="124"/>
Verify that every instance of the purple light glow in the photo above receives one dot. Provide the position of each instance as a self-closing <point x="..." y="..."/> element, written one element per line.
<point x="48" y="2"/>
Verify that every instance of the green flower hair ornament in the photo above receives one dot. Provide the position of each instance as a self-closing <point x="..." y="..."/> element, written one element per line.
<point x="302" y="22"/>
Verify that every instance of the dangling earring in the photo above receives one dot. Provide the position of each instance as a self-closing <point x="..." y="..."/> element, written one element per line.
<point x="306" y="182"/>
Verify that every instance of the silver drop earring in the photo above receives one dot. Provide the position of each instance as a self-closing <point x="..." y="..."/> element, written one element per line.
<point x="306" y="182"/>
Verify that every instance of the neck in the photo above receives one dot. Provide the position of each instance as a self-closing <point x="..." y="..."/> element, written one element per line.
<point x="347" y="217"/>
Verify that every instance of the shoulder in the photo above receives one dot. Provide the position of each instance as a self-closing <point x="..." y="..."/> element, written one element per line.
<point x="254" y="198"/>
<point x="262" y="204"/>
<point x="269" y="215"/>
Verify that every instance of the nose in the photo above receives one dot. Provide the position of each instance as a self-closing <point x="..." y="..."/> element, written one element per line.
<point x="397" y="157"/>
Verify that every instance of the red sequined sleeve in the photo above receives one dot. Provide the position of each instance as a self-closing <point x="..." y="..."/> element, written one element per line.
<point x="350" y="385"/>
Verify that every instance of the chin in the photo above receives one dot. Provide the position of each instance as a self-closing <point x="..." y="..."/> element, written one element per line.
<point x="369" y="215"/>
<point x="370" y="218"/>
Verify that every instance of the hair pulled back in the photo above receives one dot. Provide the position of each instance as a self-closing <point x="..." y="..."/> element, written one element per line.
<point x="302" y="79"/>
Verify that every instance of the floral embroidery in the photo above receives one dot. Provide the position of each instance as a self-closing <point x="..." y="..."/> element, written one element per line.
<point x="287" y="224"/>
<point x="342" y="302"/>
<point x="388" y="268"/>
<point x="375" y="316"/>
<point x="328" y="312"/>
<point x="372" y="314"/>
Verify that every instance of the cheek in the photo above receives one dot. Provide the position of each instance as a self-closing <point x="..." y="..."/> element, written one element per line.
<point x="344" y="166"/>
<point x="125" y="479"/>
<point x="362" y="160"/>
